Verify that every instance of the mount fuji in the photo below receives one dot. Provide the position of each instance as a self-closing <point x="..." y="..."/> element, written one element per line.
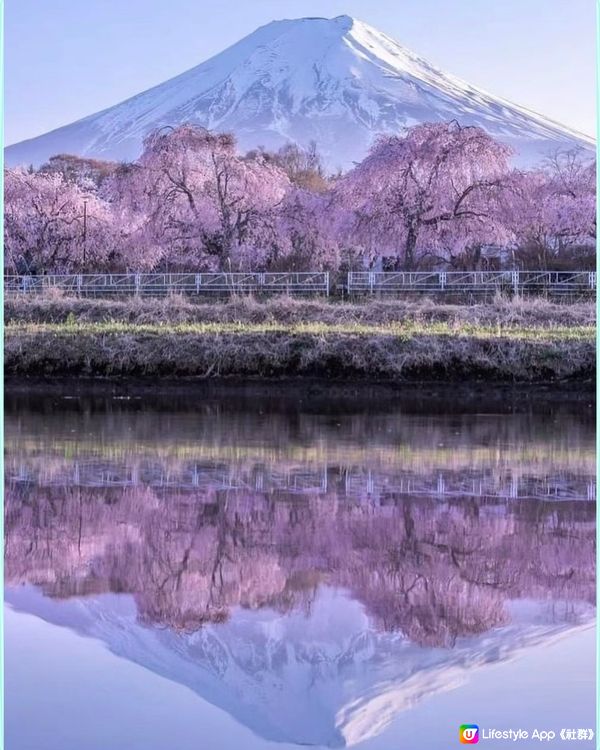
<point x="337" y="81"/>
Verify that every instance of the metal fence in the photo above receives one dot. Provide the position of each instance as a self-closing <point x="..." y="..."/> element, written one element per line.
<point x="474" y="282"/>
<point x="156" y="284"/>
<point x="481" y="283"/>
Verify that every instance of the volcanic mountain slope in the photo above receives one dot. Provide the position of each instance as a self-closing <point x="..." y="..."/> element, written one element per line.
<point x="336" y="81"/>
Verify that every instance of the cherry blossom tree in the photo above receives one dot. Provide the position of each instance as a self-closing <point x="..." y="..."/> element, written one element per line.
<point x="140" y="249"/>
<point x="572" y="179"/>
<point x="435" y="194"/>
<point x="431" y="190"/>
<point x="51" y="225"/>
<point x="308" y="227"/>
<point x="88" y="173"/>
<point x="303" y="166"/>
<point x="552" y="210"/>
<point x="208" y="204"/>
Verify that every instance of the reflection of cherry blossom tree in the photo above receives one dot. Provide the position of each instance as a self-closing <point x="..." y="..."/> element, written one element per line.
<point x="434" y="572"/>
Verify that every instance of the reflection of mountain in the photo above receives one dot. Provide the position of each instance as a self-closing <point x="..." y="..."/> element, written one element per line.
<point x="311" y="613"/>
<point x="326" y="677"/>
<point x="310" y="619"/>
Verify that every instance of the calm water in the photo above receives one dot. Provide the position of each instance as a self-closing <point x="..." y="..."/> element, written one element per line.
<point x="236" y="571"/>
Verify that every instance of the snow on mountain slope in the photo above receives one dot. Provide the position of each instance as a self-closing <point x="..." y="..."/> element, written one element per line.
<point x="325" y="678"/>
<point x="337" y="81"/>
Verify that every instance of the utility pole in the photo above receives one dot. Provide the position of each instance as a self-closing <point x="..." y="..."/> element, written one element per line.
<point x="84" y="231"/>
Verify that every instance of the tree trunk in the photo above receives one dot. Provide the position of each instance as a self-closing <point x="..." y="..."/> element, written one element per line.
<point x="409" y="249"/>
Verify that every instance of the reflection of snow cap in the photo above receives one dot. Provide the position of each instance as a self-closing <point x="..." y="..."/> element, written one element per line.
<point x="326" y="678"/>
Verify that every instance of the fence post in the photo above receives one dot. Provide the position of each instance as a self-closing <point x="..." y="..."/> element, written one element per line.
<point x="327" y="282"/>
<point x="515" y="281"/>
<point x="592" y="279"/>
<point x="442" y="280"/>
<point x="371" y="281"/>
<point x="198" y="282"/>
<point x="137" y="283"/>
<point x="79" y="282"/>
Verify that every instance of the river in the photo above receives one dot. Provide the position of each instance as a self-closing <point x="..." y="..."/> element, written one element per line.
<point x="255" y="569"/>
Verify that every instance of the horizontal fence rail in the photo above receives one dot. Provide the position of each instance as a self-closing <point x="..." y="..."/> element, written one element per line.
<point x="482" y="282"/>
<point x="316" y="282"/>
<point x="355" y="482"/>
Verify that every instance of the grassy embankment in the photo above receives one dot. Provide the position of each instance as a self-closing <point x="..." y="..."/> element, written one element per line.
<point x="506" y="340"/>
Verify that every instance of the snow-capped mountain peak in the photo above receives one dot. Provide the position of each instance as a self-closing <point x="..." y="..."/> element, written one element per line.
<point x="339" y="82"/>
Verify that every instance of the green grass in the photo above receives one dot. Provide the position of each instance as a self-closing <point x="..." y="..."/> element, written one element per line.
<point x="402" y="330"/>
<point x="391" y="340"/>
<point x="522" y="461"/>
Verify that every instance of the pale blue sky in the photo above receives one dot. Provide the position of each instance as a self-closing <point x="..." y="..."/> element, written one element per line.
<point x="69" y="58"/>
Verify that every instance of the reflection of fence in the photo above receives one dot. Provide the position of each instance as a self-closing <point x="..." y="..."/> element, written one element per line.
<point x="357" y="483"/>
<point x="477" y="282"/>
<point x="158" y="284"/>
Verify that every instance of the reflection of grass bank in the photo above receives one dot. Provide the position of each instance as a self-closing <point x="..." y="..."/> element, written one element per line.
<point x="539" y="461"/>
<point x="504" y="341"/>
